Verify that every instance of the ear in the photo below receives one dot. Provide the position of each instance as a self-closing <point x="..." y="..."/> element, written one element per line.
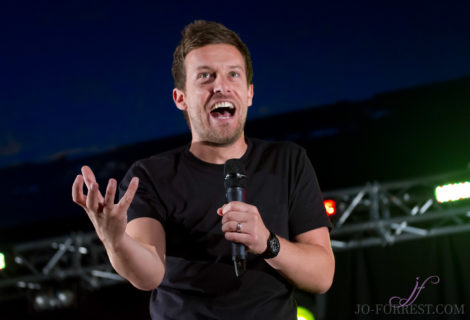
<point x="250" y="94"/>
<point x="179" y="99"/>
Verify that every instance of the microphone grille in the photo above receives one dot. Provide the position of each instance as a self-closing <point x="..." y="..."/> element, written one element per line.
<point x="234" y="166"/>
<point x="235" y="173"/>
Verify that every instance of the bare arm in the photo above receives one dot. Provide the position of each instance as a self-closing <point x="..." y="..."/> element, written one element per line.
<point x="307" y="262"/>
<point x="136" y="250"/>
<point x="140" y="256"/>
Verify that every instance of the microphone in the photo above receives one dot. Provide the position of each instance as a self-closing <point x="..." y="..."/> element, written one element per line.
<point x="235" y="184"/>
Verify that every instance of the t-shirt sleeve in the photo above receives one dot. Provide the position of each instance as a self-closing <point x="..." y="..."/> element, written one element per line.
<point x="146" y="202"/>
<point x="306" y="208"/>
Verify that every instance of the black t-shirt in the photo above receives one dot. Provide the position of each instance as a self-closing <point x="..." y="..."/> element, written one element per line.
<point x="184" y="193"/>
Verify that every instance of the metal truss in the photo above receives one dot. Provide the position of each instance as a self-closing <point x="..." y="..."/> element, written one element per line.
<point x="36" y="268"/>
<point x="384" y="214"/>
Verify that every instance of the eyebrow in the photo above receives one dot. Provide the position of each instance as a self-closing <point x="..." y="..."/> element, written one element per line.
<point x="209" y="68"/>
<point x="203" y="68"/>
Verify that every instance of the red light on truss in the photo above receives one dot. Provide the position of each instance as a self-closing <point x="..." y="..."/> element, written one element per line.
<point x="330" y="207"/>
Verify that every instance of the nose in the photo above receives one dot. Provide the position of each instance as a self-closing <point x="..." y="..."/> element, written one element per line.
<point x="221" y="85"/>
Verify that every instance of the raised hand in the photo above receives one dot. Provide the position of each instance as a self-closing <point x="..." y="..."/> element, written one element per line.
<point x="108" y="218"/>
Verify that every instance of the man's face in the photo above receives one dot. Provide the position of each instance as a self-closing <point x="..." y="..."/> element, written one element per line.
<point x="217" y="96"/>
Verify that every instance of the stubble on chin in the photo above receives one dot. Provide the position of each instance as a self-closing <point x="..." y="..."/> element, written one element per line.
<point x="224" y="138"/>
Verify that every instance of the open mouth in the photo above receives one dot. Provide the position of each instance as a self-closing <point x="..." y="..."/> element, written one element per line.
<point x="222" y="110"/>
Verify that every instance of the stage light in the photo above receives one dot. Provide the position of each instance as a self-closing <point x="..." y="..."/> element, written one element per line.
<point x="453" y="192"/>
<point x="330" y="207"/>
<point x="53" y="300"/>
<point x="40" y="302"/>
<point x="3" y="264"/>
<point x="304" y="314"/>
<point x="65" y="297"/>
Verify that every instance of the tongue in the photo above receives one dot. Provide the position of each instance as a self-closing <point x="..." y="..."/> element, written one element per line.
<point x="220" y="114"/>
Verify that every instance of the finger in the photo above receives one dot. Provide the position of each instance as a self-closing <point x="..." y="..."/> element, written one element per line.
<point x="92" y="199"/>
<point x="108" y="203"/>
<point x="89" y="178"/>
<point x="232" y="226"/>
<point x="219" y="211"/>
<point x="236" y="216"/>
<point x="77" y="192"/>
<point x="242" y="238"/>
<point x="126" y="200"/>
<point x="236" y="206"/>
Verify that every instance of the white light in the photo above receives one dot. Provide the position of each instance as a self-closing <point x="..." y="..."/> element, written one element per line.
<point x="65" y="297"/>
<point x="2" y="261"/>
<point x="61" y="296"/>
<point x="40" y="301"/>
<point x="453" y="192"/>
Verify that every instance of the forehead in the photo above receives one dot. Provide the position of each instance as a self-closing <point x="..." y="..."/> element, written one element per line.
<point x="214" y="56"/>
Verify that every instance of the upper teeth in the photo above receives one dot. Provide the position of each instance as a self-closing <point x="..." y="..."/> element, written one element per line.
<point x="224" y="104"/>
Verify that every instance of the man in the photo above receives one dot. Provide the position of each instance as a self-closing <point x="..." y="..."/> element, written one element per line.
<point x="172" y="230"/>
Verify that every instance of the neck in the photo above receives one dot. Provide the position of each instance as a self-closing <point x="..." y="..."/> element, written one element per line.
<point x="216" y="153"/>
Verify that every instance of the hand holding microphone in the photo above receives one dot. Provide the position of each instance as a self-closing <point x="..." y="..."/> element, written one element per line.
<point x="241" y="222"/>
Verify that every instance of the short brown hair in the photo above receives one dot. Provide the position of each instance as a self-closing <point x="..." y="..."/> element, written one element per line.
<point x="201" y="33"/>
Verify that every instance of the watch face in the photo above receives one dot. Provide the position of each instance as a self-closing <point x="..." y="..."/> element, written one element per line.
<point x="274" y="245"/>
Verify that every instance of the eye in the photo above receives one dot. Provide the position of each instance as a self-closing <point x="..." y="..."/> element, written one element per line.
<point x="204" y="75"/>
<point x="234" y="74"/>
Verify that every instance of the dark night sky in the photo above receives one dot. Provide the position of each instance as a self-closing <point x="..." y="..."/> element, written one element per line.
<point x="81" y="77"/>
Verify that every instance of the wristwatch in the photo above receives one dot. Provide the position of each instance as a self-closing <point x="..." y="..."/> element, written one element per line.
<point x="273" y="247"/>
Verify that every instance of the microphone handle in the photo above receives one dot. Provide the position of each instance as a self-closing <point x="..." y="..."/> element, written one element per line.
<point x="235" y="194"/>
<point x="238" y="249"/>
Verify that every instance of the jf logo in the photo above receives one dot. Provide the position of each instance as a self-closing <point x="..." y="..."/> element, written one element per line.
<point x="398" y="302"/>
